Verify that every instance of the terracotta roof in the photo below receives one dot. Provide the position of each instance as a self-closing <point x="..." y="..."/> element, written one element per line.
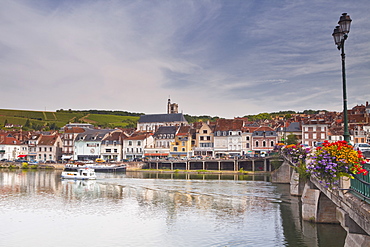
<point x="74" y="130"/>
<point x="48" y="140"/>
<point x="264" y="128"/>
<point x="228" y="124"/>
<point x="7" y="139"/>
<point x="138" y="137"/>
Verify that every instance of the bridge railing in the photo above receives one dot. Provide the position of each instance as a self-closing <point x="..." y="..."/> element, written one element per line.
<point x="360" y="185"/>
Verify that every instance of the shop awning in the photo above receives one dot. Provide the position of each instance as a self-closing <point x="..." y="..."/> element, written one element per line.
<point x="22" y="155"/>
<point x="156" y="154"/>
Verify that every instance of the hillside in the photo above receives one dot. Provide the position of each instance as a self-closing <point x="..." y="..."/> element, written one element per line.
<point x="37" y="120"/>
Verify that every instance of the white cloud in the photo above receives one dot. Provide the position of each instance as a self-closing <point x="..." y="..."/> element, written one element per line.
<point x="224" y="58"/>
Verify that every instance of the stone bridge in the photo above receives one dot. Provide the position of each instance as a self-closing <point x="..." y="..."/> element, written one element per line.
<point x="335" y="206"/>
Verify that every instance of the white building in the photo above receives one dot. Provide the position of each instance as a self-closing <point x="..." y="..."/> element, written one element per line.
<point x="88" y="144"/>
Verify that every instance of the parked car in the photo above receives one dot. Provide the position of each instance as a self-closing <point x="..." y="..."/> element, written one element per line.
<point x="50" y="162"/>
<point x="363" y="147"/>
<point x="21" y="161"/>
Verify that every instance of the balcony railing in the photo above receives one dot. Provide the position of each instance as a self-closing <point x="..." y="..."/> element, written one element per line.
<point x="360" y="186"/>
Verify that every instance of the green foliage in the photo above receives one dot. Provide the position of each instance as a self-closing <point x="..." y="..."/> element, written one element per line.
<point x="260" y="116"/>
<point x="112" y="121"/>
<point x="302" y="171"/>
<point x="193" y="119"/>
<point x="291" y="139"/>
<point x="104" y="112"/>
<point x="27" y="124"/>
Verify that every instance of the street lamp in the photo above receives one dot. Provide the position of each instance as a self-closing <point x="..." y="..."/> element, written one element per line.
<point x="340" y="34"/>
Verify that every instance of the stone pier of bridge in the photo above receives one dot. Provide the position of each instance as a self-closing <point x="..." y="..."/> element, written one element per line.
<point x="332" y="206"/>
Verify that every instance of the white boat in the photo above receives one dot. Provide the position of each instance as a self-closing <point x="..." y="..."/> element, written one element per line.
<point x="82" y="173"/>
<point x="98" y="167"/>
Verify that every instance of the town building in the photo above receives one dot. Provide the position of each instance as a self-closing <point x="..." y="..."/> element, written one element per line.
<point x="181" y="147"/>
<point x="49" y="148"/>
<point x="134" y="146"/>
<point x="264" y="140"/>
<point x="203" y="143"/>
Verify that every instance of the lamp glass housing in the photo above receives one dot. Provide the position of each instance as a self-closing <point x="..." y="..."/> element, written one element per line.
<point x="337" y="35"/>
<point x="345" y="23"/>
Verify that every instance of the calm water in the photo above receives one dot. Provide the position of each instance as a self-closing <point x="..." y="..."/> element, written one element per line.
<point x="148" y="209"/>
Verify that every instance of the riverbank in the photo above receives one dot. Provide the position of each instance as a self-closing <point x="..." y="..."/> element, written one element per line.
<point x="133" y="169"/>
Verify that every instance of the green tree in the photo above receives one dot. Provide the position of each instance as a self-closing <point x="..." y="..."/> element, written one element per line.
<point x="291" y="139"/>
<point x="27" y="124"/>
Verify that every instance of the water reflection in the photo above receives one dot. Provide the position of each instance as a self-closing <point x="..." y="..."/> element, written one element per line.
<point x="163" y="209"/>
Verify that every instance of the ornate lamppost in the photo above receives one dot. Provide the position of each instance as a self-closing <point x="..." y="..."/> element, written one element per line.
<point x="340" y="34"/>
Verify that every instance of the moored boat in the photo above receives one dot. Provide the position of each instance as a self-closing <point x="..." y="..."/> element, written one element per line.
<point x="99" y="167"/>
<point x="80" y="173"/>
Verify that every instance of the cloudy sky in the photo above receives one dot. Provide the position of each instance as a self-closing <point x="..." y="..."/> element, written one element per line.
<point x="220" y="58"/>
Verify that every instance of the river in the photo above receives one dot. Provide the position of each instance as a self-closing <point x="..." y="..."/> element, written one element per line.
<point x="153" y="209"/>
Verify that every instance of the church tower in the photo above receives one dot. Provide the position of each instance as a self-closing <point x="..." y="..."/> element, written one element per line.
<point x="172" y="108"/>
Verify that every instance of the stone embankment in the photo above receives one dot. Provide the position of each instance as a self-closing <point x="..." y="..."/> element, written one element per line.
<point x="60" y="166"/>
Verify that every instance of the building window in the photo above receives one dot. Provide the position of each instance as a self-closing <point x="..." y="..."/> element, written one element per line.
<point x="183" y="149"/>
<point x="256" y="143"/>
<point x="264" y="143"/>
<point x="51" y="149"/>
<point x="183" y="143"/>
<point x="201" y="138"/>
<point x="175" y="149"/>
<point x="208" y="138"/>
<point x="108" y="150"/>
<point x="204" y="131"/>
<point x="130" y="143"/>
<point x="272" y="143"/>
<point x="247" y="138"/>
<point x="139" y="143"/>
<point x="247" y="145"/>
